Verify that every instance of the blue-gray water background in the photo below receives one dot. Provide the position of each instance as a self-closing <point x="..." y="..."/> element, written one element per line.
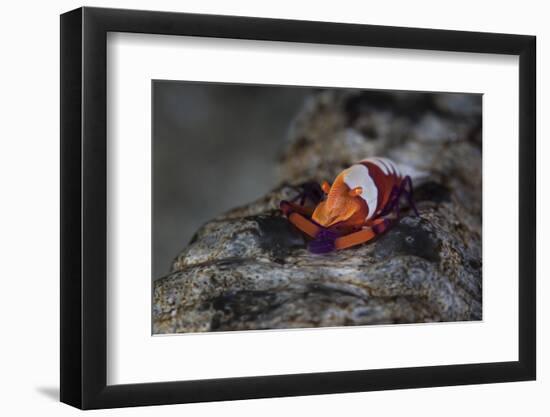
<point x="215" y="146"/>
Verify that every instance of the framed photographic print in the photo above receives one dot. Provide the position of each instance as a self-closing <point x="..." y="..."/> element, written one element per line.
<point x="258" y="208"/>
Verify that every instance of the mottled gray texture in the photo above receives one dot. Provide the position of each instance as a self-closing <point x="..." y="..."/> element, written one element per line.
<point x="250" y="269"/>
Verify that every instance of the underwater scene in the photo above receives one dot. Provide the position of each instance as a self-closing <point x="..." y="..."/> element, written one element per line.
<point x="279" y="207"/>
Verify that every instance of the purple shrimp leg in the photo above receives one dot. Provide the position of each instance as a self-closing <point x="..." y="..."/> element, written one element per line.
<point x="405" y="189"/>
<point x="407" y="181"/>
<point x="324" y="242"/>
<point x="392" y="201"/>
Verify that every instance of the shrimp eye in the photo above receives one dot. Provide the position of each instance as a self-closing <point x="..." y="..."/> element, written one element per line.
<point x="326" y="187"/>
<point x="355" y="192"/>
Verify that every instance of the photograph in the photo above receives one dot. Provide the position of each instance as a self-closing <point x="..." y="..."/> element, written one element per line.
<point x="285" y="207"/>
<point x="267" y="209"/>
<point x="264" y="206"/>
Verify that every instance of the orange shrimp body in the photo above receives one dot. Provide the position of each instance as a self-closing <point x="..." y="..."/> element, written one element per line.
<point x="355" y="206"/>
<point x="358" y="193"/>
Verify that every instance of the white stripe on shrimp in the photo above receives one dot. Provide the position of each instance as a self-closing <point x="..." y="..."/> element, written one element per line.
<point x="380" y="164"/>
<point x="358" y="176"/>
<point x="392" y="165"/>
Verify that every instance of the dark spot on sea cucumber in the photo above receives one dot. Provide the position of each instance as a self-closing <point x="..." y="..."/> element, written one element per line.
<point x="432" y="191"/>
<point x="404" y="239"/>
<point x="278" y="237"/>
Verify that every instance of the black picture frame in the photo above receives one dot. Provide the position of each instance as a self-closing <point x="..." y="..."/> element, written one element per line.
<point x="84" y="194"/>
